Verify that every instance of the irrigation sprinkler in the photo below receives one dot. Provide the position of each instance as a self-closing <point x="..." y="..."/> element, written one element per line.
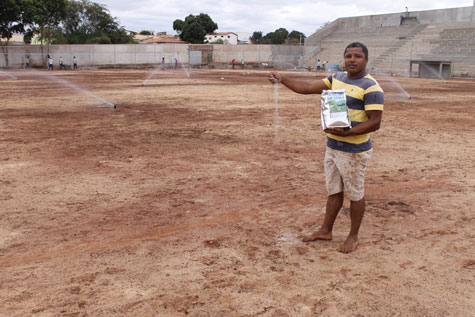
<point x="107" y="106"/>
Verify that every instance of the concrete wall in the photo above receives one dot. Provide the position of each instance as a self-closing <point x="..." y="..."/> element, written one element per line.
<point x="277" y="54"/>
<point x="441" y="16"/>
<point x="281" y="56"/>
<point x="126" y="55"/>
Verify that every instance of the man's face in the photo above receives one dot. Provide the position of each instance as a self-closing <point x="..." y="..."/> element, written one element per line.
<point x="355" y="61"/>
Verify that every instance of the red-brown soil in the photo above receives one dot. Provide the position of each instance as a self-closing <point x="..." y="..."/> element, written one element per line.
<point x="188" y="199"/>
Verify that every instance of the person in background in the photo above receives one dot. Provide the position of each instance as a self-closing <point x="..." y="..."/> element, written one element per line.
<point x="242" y="63"/>
<point x="61" y="63"/>
<point x="348" y="149"/>
<point x="75" y="62"/>
<point x="27" y="61"/>
<point x="50" y="63"/>
<point x="319" y="65"/>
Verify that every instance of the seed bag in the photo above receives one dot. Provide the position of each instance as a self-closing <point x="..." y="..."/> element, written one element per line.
<point x="335" y="113"/>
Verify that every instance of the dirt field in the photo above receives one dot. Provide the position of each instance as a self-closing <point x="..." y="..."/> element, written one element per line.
<point x="192" y="196"/>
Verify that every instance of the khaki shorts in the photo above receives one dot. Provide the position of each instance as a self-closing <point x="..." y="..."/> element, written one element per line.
<point x="344" y="172"/>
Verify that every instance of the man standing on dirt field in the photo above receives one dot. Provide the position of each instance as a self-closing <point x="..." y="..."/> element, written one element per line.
<point x="348" y="149"/>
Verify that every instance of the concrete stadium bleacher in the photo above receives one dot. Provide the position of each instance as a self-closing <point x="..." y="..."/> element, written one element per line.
<point x="437" y="35"/>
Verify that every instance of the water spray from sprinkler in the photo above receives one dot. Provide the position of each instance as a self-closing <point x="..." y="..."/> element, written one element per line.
<point x="9" y="75"/>
<point x="276" y="112"/>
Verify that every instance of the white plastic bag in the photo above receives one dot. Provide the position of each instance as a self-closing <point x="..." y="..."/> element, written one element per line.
<point x="335" y="113"/>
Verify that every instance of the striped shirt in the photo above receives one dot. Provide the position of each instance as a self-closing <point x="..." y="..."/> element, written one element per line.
<point x="362" y="94"/>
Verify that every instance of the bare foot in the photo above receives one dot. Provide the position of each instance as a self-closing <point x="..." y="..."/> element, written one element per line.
<point x="319" y="235"/>
<point x="349" y="245"/>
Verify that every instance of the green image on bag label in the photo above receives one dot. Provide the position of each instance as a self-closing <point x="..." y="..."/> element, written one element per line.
<point x="334" y="112"/>
<point x="337" y="105"/>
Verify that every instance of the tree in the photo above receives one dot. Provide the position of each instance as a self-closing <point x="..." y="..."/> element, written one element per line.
<point x="256" y="37"/>
<point x="178" y="25"/>
<point x="295" y="37"/>
<point x="11" y="18"/>
<point x="145" y="32"/>
<point x="193" y="33"/>
<point x="120" y="36"/>
<point x="206" y="21"/>
<point x="195" y="27"/>
<point x="279" y="36"/>
<point x="87" y="22"/>
<point x="14" y="16"/>
<point x="47" y="15"/>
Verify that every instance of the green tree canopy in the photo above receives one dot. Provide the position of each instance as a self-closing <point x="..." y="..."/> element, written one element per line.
<point x="206" y="21"/>
<point x="256" y="37"/>
<point x="47" y="15"/>
<point x="145" y="32"/>
<point x="90" y="22"/>
<point x="193" y="32"/>
<point x="14" y="16"/>
<point x="295" y="37"/>
<point x="178" y="25"/>
<point x="195" y="27"/>
<point x="279" y="36"/>
<point x="73" y="22"/>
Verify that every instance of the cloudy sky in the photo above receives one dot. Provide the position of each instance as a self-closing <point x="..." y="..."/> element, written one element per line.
<point x="259" y="15"/>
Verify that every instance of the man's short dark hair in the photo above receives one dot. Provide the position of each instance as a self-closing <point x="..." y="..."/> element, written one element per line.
<point x="357" y="44"/>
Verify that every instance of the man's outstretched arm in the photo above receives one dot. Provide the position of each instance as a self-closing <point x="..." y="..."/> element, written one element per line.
<point x="297" y="85"/>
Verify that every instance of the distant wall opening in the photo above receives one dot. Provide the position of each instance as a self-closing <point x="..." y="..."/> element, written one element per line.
<point x="200" y="54"/>
<point x="431" y="69"/>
